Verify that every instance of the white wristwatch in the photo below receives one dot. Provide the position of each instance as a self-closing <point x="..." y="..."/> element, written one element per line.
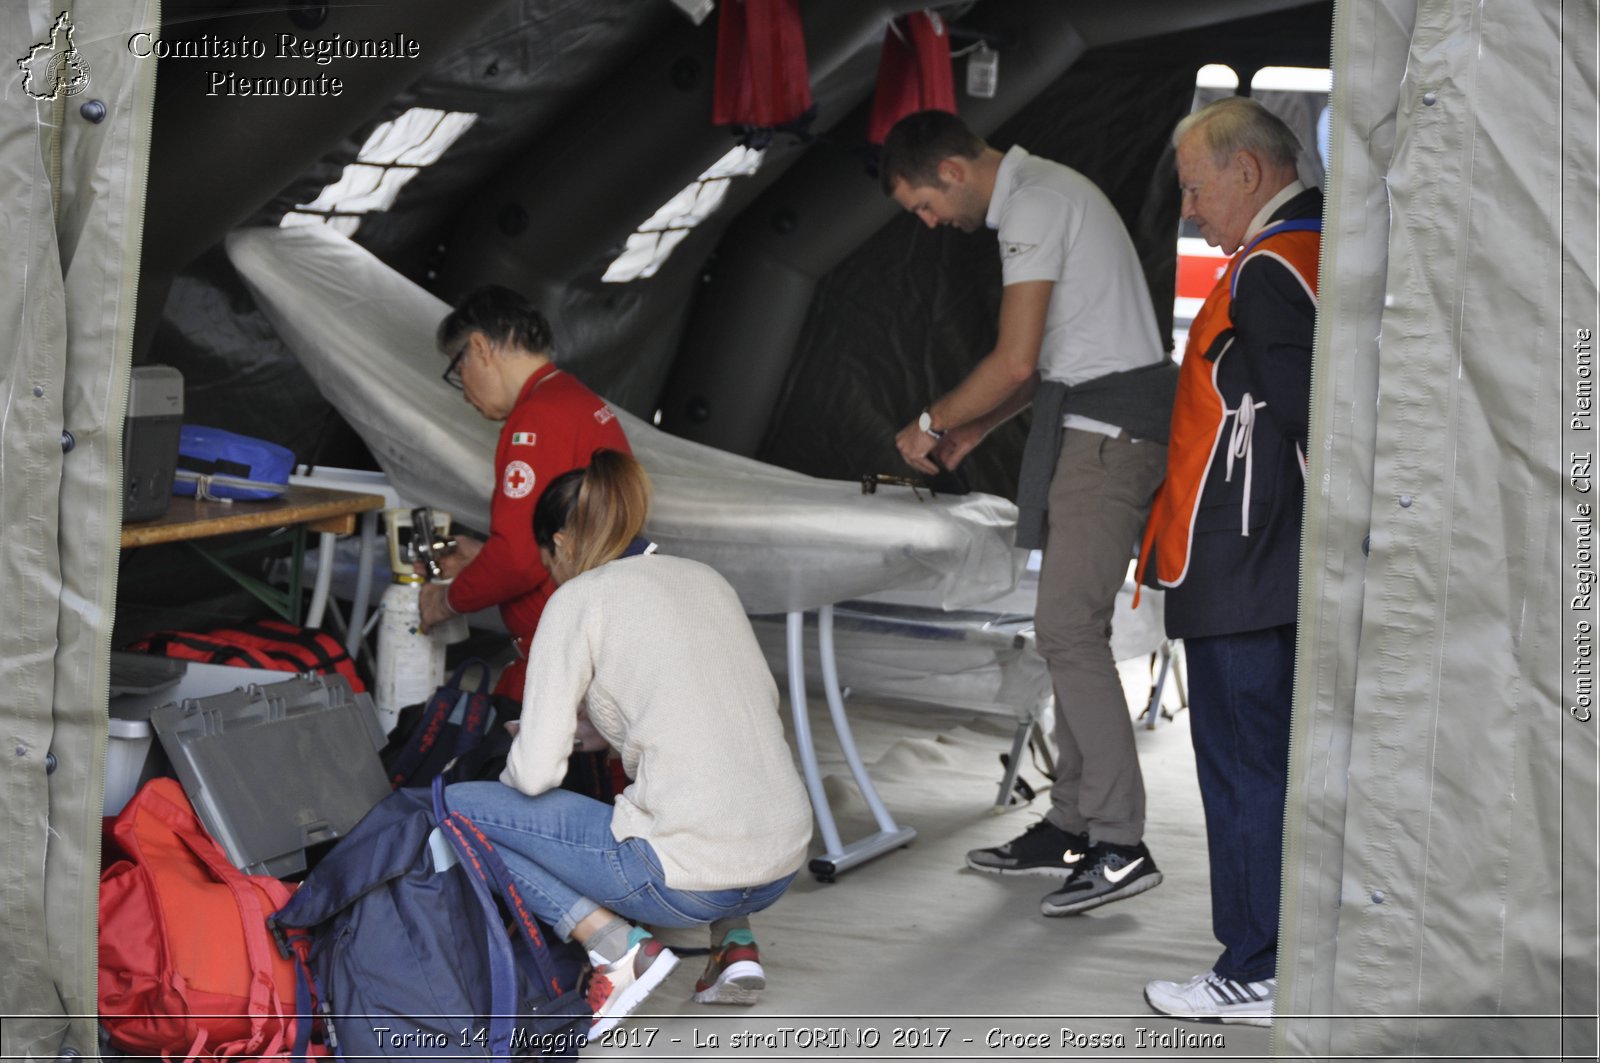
<point x="925" y="422"/>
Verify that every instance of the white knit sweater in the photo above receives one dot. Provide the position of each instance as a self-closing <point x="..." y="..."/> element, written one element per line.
<point x="676" y="683"/>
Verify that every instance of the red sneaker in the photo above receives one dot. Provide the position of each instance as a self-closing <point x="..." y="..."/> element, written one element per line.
<point x="733" y="975"/>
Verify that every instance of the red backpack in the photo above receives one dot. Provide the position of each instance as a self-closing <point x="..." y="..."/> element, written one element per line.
<point x="187" y="965"/>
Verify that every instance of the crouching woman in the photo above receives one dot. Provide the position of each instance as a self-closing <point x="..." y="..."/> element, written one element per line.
<point x="715" y="822"/>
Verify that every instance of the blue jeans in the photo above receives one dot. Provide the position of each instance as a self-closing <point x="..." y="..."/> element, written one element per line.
<point x="558" y="846"/>
<point x="1240" y="688"/>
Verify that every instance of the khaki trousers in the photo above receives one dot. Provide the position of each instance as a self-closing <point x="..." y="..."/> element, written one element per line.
<point x="1099" y="498"/>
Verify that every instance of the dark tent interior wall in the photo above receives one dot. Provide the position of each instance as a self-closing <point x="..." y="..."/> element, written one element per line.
<point x="545" y="187"/>
<point x="805" y="289"/>
<point x="901" y="319"/>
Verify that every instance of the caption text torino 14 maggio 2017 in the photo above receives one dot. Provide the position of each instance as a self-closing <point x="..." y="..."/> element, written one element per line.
<point x="1036" y="1038"/>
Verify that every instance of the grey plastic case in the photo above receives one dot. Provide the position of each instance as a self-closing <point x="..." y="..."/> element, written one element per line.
<point x="272" y="770"/>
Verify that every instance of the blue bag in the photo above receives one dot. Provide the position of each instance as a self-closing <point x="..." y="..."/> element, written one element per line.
<point x="215" y="463"/>
<point x="409" y="951"/>
<point x="457" y="735"/>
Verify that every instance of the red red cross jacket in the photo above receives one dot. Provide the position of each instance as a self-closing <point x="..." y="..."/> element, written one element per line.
<point x="556" y="424"/>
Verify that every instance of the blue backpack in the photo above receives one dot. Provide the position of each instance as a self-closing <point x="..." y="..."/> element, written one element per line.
<point x="409" y="948"/>
<point x="455" y="734"/>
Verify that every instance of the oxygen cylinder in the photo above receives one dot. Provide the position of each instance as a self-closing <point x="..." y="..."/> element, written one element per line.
<point x="410" y="664"/>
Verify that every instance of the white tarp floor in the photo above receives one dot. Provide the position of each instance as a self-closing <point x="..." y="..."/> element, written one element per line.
<point x="914" y="941"/>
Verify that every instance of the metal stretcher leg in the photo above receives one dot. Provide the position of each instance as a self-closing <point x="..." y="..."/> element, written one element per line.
<point x="837" y="857"/>
<point x="1008" y="782"/>
<point x="1152" y="712"/>
<point x="1177" y="672"/>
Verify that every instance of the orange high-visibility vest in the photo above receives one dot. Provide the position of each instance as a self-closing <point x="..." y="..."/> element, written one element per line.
<point x="1200" y="415"/>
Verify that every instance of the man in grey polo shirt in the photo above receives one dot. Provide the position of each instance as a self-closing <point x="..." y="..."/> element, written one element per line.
<point x="1078" y="341"/>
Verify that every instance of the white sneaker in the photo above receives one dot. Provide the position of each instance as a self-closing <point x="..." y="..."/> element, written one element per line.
<point x="1211" y="998"/>
<point x="615" y="989"/>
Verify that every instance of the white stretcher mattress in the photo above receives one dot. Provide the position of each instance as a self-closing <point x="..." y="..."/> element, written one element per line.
<point x="784" y="540"/>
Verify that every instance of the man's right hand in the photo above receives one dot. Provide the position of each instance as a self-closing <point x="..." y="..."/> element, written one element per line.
<point x="915" y="445"/>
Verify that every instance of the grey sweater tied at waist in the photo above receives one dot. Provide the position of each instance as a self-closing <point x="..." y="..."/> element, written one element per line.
<point x="1139" y="401"/>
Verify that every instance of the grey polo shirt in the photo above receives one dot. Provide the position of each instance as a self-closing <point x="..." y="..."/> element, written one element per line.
<point x="1055" y="225"/>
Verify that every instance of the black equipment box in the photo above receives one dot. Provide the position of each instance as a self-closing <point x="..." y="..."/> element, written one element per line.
<point x="150" y="441"/>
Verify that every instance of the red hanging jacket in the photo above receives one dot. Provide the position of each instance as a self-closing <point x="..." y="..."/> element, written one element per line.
<point x="762" y="76"/>
<point x="914" y="73"/>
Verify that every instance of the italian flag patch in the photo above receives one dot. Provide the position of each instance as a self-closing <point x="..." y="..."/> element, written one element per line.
<point x="523" y="439"/>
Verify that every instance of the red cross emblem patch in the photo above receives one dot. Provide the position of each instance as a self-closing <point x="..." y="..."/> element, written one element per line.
<point x="518" y="480"/>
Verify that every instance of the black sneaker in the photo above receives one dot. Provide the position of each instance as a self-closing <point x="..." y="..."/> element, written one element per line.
<point x="1107" y="873"/>
<point x="1043" y="849"/>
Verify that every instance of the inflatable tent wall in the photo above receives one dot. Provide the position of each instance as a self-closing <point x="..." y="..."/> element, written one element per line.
<point x="1440" y="868"/>
<point x="1440" y="887"/>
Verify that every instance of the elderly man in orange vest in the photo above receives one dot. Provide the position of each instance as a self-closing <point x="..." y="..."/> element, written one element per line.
<point x="1223" y="536"/>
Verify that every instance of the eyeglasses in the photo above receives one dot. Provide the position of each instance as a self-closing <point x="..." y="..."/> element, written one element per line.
<point x="452" y="372"/>
<point x="870" y="482"/>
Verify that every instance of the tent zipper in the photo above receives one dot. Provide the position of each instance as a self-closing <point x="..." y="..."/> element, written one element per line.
<point x="139" y="98"/>
<point x="142" y="112"/>
<point x="1293" y="851"/>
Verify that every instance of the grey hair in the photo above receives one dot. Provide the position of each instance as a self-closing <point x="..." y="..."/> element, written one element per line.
<point x="1238" y="123"/>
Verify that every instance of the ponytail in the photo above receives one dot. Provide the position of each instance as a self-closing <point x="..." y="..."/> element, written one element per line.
<point x="598" y="511"/>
